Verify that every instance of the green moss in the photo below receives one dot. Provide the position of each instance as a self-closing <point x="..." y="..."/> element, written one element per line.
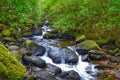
<point x="89" y="44"/>
<point x="80" y="37"/>
<point x="6" y="32"/>
<point x="9" y="39"/>
<point x="27" y="34"/>
<point x="102" y="41"/>
<point x="16" y="54"/>
<point x="11" y="69"/>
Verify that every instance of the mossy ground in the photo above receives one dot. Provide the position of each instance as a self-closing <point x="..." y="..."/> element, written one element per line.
<point x="10" y="68"/>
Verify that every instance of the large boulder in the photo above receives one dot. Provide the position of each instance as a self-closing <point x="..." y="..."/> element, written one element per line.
<point x="54" y="70"/>
<point x="62" y="55"/>
<point x="88" y="45"/>
<point x="50" y="36"/>
<point x="69" y="75"/>
<point x="96" y="55"/>
<point x="10" y="68"/>
<point x="34" y="60"/>
<point x="42" y="74"/>
<point x="34" y="48"/>
<point x="37" y="31"/>
<point x="27" y="34"/>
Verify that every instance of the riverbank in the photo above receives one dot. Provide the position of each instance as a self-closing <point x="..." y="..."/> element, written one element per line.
<point x="105" y="56"/>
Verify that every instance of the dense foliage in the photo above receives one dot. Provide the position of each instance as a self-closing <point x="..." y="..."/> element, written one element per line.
<point x="16" y="13"/>
<point x="83" y="14"/>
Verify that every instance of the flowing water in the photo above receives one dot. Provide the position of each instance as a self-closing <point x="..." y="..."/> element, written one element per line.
<point x="84" y="69"/>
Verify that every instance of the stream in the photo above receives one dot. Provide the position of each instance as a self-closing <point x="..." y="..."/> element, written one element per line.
<point x="86" y="70"/>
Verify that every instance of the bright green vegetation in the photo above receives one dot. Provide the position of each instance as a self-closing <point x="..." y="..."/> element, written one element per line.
<point x="17" y="13"/>
<point x="100" y="17"/>
<point x="10" y="68"/>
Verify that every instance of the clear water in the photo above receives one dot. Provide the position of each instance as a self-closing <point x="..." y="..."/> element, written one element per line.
<point x="81" y="67"/>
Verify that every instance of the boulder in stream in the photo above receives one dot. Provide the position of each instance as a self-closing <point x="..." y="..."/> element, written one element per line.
<point x="34" y="60"/>
<point x="50" y="36"/>
<point x="96" y="55"/>
<point x="54" y="70"/>
<point x="69" y="75"/>
<point x="34" y="48"/>
<point x="62" y="55"/>
<point x="42" y="74"/>
<point x="37" y="31"/>
<point x="88" y="45"/>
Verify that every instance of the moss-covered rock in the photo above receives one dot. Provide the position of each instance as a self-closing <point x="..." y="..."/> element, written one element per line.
<point x="34" y="49"/>
<point x="6" y="32"/>
<point x="80" y="37"/>
<point x="27" y="34"/>
<point x="50" y="36"/>
<point x="26" y="29"/>
<point x="102" y="41"/>
<point x="8" y="39"/>
<point x="10" y="68"/>
<point x="89" y="45"/>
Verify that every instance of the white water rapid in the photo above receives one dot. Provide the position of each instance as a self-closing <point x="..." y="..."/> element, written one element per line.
<point x="81" y="67"/>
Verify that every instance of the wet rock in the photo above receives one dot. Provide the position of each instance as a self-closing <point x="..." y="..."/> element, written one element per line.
<point x="34" y="48"/>
<point x="34" y="60"/>
<point x="88" y="45"/>
<point x="92" y="72"/>
<point x="54" y="70"/>
<point x="62" y="55"/>
<point x="37" y="32"/>
<point x="85" y="58"/>
<point x="82" y="51"/>
<point x="50" y="36"/>
<point x="103" y="67"/>
<point x="42" y="75"/>
<point x="69" y="75"/>
<point x="96" y="54"/>
<point x="13" y="47"/>
<point x="27" y="34"/>
<point x="54" y="31"/>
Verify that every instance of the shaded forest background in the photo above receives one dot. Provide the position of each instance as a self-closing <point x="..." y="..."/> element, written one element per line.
<point x="100" y="17"/>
